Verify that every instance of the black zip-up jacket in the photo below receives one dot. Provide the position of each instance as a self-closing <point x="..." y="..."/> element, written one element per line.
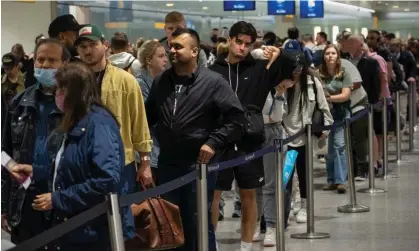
<point x="187" y="119"/>
<point x="252" y="82"/>
<point x="19" y="136"/>
<point x="250" y="79"/>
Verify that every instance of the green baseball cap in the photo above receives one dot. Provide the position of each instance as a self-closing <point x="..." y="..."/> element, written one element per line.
<point x="91" y="32"/>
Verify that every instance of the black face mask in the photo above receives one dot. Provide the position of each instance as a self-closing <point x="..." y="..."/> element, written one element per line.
<point x="214" y="38"/>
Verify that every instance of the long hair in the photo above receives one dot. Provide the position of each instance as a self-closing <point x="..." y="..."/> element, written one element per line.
<point x="299" y="60"/>
<point x="324" y="74"/>
<point x="82" y="93"/>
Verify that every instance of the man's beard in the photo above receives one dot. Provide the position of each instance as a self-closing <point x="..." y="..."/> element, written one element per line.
<point x="214" y="39"/>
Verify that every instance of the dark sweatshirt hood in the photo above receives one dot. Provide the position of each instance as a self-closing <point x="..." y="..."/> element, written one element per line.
<point x="247" y="61"/>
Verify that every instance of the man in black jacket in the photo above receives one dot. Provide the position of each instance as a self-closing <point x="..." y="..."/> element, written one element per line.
<point x="31" y="118"/>
<point x="186" y="105"/>
<point x="65" y="29"/>
<point x="251" y="80"/>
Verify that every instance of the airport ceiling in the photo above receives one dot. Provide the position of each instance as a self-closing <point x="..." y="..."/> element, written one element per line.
<point x="213" y="7"/>
<point x="386" y="6"/>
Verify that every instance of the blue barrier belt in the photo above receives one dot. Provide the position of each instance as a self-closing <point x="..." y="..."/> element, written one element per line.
<point x="62" y="229"/>
<point x="240" y="160"/>
<point x="139" y="197"/>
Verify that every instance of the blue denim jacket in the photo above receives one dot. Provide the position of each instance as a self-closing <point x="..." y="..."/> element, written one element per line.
<point x="90" y="167"/>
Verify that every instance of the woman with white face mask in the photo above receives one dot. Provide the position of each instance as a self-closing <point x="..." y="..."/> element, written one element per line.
<point x="86" y="166"/>
<point x="339" y="84"/>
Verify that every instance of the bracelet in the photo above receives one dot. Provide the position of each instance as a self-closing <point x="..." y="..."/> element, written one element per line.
<point x="145" y="158"/>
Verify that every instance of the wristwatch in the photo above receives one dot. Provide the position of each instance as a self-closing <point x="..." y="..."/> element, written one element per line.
<point x="145" y="158"/>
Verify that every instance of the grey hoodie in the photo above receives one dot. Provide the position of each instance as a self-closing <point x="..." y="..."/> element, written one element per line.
<point x="124" y="59"/>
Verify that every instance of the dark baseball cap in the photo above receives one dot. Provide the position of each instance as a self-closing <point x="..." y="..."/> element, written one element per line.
<point x="9" y="61"/>
<point x="63" y="23"/>
<point x="90" y="32"/>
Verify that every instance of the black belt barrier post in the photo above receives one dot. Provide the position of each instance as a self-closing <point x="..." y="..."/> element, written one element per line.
<point x="352" y="207"/>
<point x="371" y="189"/>
<point x="115" y="225"/>
<point x="310" y="234"/>
<point x="415" y="108"/>
<point x="411" y="111"/>
<point x="280" y="220"/>
<point x="385" y="142"/>
<point x="398" y="129"/>
<point x="202" y="206"/>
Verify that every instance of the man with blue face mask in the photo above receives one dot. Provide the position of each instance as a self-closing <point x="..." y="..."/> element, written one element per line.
<point x="32" y="116"/>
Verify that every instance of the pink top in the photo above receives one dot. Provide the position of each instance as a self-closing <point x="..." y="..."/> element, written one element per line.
<point x="385" y="91"/>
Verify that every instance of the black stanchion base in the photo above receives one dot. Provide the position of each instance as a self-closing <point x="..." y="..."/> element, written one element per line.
<point x="372" y="190"/>
<point x="353" y="209"/>
<point x="310" y="236"/>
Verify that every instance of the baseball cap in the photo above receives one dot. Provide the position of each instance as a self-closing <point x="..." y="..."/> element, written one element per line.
<point x="9" y="61"/>
<point x="63" y="23"/>
<point x="91" y="32"/>
<point x="343" y="35"/>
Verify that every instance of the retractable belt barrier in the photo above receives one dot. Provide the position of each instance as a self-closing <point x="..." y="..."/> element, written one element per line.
<point x="126" y="200"/>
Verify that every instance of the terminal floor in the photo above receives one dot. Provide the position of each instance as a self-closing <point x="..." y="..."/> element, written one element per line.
<point x="391" y="225"/>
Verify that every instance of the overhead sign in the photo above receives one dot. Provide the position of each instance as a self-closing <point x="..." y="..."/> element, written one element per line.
<point x="311" y="9"/>
<point x="120" y="11"/>
<point x="284" y="7"/>
<point x="239" y="5"/>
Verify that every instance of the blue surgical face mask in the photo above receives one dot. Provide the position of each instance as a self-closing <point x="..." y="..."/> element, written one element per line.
<point x="46" y="76"/>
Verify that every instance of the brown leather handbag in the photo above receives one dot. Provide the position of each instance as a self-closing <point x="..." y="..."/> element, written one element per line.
<point x="158" y="226"/>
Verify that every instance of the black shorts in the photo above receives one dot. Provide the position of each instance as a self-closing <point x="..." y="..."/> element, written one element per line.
<point x="250" y="175"/>
<point x="378" y="121"/>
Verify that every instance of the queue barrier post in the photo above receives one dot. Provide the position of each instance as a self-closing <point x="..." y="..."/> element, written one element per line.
<point x="415" y="108"/>
<point x="280" y="219"/>
<point x="310" y="234"/>
<point x="411" y="111"/>
<point x="371" y="186"/>
<point x="115" y="225"/>
<point x="353" y="206"/>
<point x="398" y="129"/>
<point x="202" y="206"/>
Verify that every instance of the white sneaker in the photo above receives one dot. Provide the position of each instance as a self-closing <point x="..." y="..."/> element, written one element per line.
<point x="256" y="235"/>
<point x="297" y="207"/>
<point x="302" y="216"/>
<point x="270" y="237"/>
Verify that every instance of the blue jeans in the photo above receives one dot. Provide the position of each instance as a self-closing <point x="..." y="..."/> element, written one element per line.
<point x="185" y="198"/>
<point x="336" y="157"/>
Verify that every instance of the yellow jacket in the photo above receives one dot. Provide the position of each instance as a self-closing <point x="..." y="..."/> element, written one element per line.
<point x="122" y="95"/>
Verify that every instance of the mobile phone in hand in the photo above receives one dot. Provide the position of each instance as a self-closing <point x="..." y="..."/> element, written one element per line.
<point x="9" y="163"/>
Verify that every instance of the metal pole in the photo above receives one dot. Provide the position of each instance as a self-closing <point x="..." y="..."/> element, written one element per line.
<point x="115" y="225"/>
<point x="202" y="205"/>
<point x="398" y="129"/>
<point x="414" y="98"/>
<point x="310" y="234"/>
<point x="411" y="120"/>
<point x="371" y="189"/>
<point x="280" y="220"/>
<point x="352" y="207"/>
<point x="385" y="143"/>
